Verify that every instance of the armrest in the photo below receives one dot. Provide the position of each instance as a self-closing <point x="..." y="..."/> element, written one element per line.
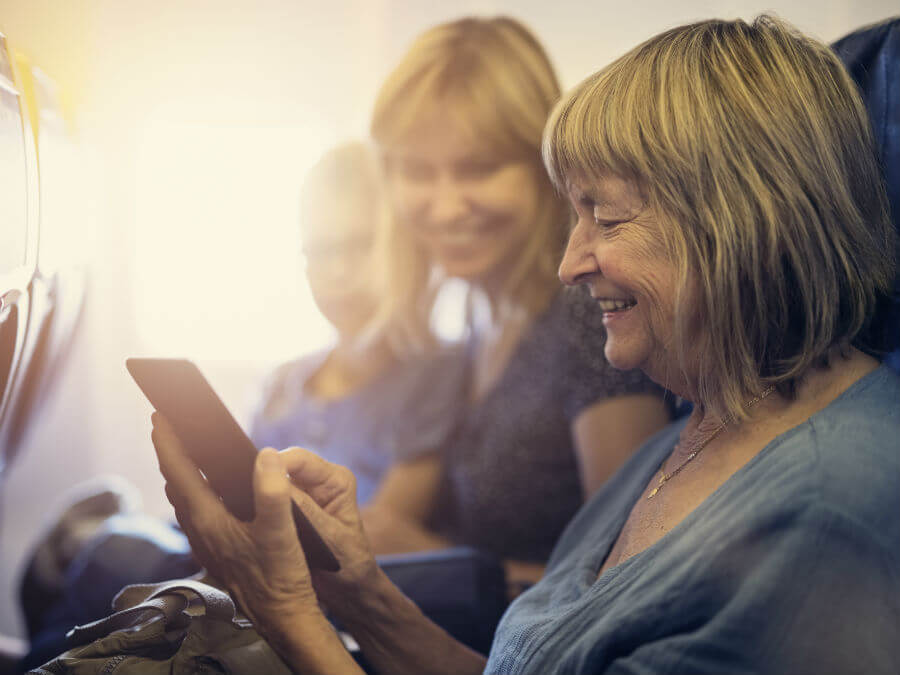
<point x="460" y="589"/>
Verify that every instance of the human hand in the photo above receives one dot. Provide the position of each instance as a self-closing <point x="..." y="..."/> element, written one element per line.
<point x="326" y="492"/>
<point x="260" y="562"/>
<point x="264" y="559"/>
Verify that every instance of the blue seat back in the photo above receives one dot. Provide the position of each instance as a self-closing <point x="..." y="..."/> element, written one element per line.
<point x="872" y="55"/>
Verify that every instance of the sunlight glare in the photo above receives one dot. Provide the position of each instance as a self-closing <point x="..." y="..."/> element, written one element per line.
<point x="218" y="272"/>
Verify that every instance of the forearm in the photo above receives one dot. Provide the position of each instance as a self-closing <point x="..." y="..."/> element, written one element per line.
<point x="397" y="638"/>
<point x="391" y="532"/>
<point x="308" y="644"/>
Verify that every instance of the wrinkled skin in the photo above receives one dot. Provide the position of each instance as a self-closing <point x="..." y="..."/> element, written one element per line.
<point x="262" y="562"/>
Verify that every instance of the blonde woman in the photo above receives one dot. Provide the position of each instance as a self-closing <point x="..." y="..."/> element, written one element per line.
<point x="546" y="421"/>
<point x="361" y="402"/>
<point x="729" y="200"/>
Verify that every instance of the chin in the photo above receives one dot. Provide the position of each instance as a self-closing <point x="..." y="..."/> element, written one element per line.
<point x="621" y="358"/>
<point x="467" y="270"/>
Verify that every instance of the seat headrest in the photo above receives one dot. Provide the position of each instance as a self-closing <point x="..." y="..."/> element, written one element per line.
<point x="872" y="56"/>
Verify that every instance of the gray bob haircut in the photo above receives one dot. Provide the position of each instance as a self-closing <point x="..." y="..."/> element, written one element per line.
<point x="753" y="147"/>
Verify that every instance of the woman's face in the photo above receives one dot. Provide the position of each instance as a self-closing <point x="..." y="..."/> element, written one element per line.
<point x="616" y="250"/>
<point x="338" y="248"/>
<point x="469" y="209"/>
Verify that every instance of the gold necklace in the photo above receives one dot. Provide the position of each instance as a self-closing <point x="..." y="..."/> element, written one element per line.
<point x="666" y="477"/>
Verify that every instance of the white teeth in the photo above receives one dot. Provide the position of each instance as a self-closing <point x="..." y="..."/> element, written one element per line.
<point x="615" y="305"/>
<point x="468" y="236"/>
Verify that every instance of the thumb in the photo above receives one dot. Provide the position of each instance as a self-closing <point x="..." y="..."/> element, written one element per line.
<point x="272" y="498"/>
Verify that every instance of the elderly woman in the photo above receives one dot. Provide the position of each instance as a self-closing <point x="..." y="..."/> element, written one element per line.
<point x="732" y="228"/>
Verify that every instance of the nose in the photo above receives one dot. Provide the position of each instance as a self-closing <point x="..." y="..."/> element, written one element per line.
<point x="448" y="202"/>
<point x="579" y="264"/>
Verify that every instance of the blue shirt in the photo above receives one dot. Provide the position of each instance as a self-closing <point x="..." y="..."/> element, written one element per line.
<point x="405" y="412"/>
<point x="790" y="566"/>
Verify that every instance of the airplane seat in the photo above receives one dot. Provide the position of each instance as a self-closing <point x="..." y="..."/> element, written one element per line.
<point x="872" y="55"/>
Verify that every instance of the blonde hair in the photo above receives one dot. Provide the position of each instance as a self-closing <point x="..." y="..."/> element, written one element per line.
<point x="494" y="77"/>
<point x="752" y="146"/>
<point x="347" y="172"/>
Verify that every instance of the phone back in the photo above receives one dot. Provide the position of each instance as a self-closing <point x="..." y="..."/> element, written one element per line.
<point x="210" y="435"/>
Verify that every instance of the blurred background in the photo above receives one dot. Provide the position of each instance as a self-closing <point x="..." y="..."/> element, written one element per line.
<point x="190" y="125"/>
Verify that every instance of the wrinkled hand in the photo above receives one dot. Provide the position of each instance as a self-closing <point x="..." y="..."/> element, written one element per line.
<point x="262" y="562"/>
<point x="326" y="493"/>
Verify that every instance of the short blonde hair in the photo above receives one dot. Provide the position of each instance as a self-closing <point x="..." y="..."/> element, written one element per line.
<point x="349" y="175"/>
<point x="751" y="144"/>
<point x="349" y="171"/>
<point x="494" y="77"/>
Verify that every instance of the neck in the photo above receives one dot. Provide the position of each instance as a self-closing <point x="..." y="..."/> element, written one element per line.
<point x="349" y="367"/>
<point x="350" y="355"/>
<point x="502" y="308"/>
<point x="777" y="413"/>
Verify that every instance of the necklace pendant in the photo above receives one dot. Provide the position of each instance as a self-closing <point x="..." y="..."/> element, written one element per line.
<point x="654" y="491"/>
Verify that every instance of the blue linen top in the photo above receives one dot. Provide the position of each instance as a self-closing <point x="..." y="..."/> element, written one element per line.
<point x="791" y="566"/>
<point x="405" y="412"/>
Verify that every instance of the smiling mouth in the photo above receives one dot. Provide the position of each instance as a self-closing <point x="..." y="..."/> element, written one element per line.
<point x="612" y="305"/>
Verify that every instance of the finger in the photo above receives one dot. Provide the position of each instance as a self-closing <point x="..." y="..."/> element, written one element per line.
<point x="273" y="528"/>
<point x="185" y="481"/>
<point x="308" y="466"/>
<point x="321" y="479"/>
<point x="182" y="515"/>
<point x="172" y="495"/>
<point x="271" y="492"/>
<point x="321" y="521"/>
<point x="199" y="548"/>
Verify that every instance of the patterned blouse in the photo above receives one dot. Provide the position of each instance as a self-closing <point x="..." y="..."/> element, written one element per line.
<point x="512" y="480"/>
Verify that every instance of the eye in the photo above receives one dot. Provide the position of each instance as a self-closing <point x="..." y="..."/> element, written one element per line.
<point x="604" y="221"/>
<point x="415" y="170"/>
<point x="474" y="169"/>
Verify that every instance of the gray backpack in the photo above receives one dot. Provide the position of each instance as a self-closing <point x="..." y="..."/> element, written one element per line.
<point x="181" y="626"/>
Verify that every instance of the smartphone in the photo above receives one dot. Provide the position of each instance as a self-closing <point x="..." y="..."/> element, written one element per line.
<point x="215" y="442"/>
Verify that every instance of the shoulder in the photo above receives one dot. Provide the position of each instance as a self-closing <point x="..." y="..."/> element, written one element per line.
<point x="427" y="393"/>
<point x="284" y="383"/>
<point x="855" y="452"/>
<point x="436" y="373"/>
<point x="838" y="472"/>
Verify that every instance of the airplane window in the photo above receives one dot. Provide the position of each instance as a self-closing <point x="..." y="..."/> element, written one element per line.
<point x="14" y="229"/>
<point x="217" y="265"/>
<point x="5" y="65"/>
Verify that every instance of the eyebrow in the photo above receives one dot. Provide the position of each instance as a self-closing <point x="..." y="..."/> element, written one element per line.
<point x="595" y="197"/>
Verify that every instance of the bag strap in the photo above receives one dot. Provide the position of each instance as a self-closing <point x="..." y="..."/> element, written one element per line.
<point x="218" y="603"/>
<point x="168" y="607"/>
<point x="169" y="600"/>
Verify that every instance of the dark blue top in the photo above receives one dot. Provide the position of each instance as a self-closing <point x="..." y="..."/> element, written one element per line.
<point x="790" y="566"/>
<point x="512" y="481"/>
<point x="403" y="413"/>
